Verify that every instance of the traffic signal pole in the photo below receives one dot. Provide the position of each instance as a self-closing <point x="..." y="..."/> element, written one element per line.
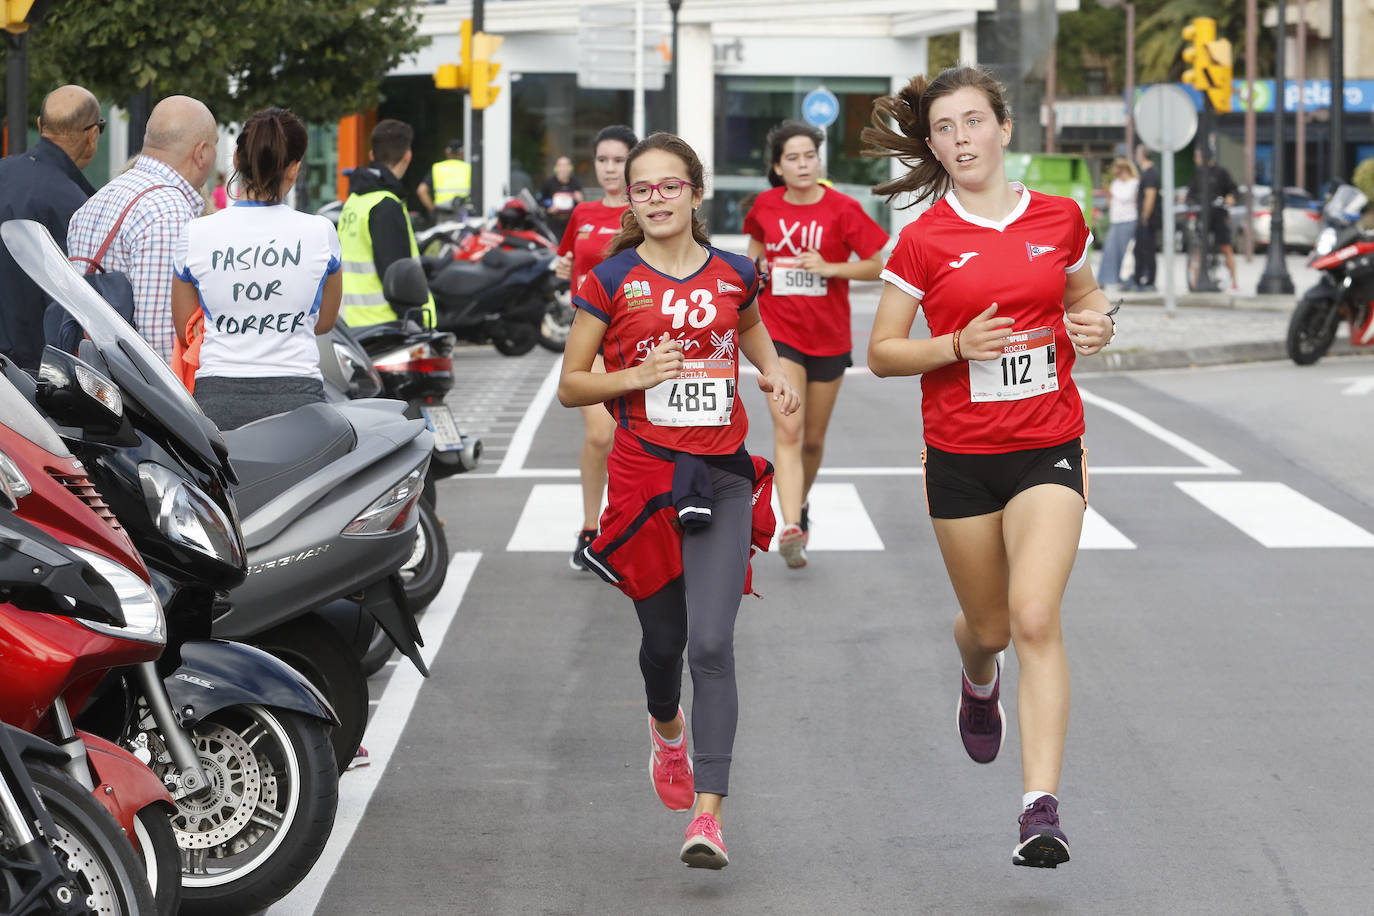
<point x="476" y="155"/>
<point x="1275" y="279"/>
<point x="1203" y="282"/>
<point x="17" y="91"/>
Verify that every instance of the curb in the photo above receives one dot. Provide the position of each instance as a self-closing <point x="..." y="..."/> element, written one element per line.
<point x="1193" y="357"/>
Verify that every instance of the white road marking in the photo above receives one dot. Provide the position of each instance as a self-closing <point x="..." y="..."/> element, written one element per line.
<point x="839" y="520"/>
<point x="383" y="735"/>
<point x="523" y="436"/>
<point x="1143" y="423"/>
<point x="1100" y="534"/>
<point x="550" y="519"/>
<point x="1356" y="387"/>
<point x="1276" y="515"/>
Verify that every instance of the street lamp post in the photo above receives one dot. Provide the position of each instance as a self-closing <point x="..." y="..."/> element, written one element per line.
<point x="675" y="6"/>
<point x="1275" y="279"/>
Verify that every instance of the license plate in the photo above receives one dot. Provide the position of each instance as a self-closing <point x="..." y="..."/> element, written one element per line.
<point x="441" y="423"/>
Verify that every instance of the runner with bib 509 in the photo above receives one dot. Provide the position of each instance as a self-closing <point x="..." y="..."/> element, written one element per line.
<point x="1002" y="275"/>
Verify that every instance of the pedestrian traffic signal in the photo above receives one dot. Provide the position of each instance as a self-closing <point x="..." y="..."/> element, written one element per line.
<point x="484" y="70"/>
<point x="14" y="15"/>
<point x="1210" y="59"/>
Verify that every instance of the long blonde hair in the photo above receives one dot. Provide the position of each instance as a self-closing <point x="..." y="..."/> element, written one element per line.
<point x="910" y="108"/>
<point x="631" y="233"/>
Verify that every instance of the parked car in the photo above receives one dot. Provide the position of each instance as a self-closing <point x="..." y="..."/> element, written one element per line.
<point x="1301" y="218"/>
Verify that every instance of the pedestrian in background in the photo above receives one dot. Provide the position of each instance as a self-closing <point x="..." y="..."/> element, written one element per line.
<point x="815" y="240"/>
<point x="1149" y="220"/>
<point x="448" y="183"/>
<point x="680" y="449"/>
<point x="560" y="194"/>
<point x="1002" y="275"/>
<point x="156" y="198"/>
<point x="585" y="241"/>
<point x="1121" y="209"/>
<point x="374" y="227"/>
<point x="44" y="184"/>
<point x="266" y="278"/>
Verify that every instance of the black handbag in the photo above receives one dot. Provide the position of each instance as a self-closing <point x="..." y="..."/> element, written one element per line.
<point x="63" y="331"/>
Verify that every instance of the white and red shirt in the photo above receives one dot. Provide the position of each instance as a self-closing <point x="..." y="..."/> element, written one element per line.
<point x="591" y="226"/>
<point x="698" y="412"/>
<point x="806" y="311"/>
<point x="957" y="264"/>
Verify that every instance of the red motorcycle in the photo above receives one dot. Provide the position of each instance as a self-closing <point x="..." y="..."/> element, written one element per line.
<point x="1344" y="253"/>
<point x="51" y="663"/>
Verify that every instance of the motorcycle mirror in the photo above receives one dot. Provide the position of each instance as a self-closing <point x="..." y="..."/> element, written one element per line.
<point x="75" y="393"/>
<point x="405" y="285"/>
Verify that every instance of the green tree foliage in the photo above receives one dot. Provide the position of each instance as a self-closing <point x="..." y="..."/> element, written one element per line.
<point x="1101" y="31"/>
<point x="322" y="58"/>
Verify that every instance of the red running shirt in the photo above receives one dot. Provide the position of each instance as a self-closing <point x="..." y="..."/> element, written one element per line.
<point x="957" y="264"/>
<point x="588" y="234"/>
<point x="805" y="311"/>
<point x="638" y="304"/>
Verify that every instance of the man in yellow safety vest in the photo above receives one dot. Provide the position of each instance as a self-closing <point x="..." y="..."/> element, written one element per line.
<point x="449" y="181"/>
<point x="374" y="227"/>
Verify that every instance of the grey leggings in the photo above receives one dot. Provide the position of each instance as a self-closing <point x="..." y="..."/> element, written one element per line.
<point x="697" y="612"/>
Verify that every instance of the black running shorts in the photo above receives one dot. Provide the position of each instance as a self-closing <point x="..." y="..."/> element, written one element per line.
<point x="962" y="486"/>
<point x="818" y="368"/>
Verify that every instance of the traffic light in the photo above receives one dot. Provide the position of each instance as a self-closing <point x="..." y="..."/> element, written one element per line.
<point x="453" y="76"/>
<point x="1210" y="60"/>
<point x="14" y="15"/>
<point x="484" y="70"/>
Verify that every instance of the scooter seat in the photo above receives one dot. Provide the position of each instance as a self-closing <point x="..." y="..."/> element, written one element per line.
<point x="463" y="279"/>
<point x="274" y="454"/>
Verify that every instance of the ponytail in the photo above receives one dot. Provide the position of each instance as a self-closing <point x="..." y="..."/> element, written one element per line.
<point x="910" y="109"/>
<point x="270" y="142"/>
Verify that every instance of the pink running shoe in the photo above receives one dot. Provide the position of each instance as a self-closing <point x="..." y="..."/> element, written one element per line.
<point x="704" y="847"/>
<point x="671" y="770"/>
<point x="792" y="546"/>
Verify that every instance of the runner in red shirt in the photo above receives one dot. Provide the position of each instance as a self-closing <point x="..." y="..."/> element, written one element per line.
<point x="591" y="226"/>
<point x="807" y="232"/>
<point x="1003" y="278"/>
<point x="671" y="315"/>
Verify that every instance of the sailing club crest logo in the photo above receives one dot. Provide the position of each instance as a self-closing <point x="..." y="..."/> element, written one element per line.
<point x="1035" y="251"/>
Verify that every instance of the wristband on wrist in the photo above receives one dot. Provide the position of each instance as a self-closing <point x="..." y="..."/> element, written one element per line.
<point x="958" y="356"/>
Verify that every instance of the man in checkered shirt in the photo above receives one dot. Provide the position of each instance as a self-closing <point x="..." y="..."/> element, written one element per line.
<point x="178" y="151"/>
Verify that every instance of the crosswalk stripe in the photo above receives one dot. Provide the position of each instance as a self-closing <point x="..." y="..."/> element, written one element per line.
<point x="1100" y="534"/>
<point x="550" y="519"/>
<point x="840" y="521"/>
<point x="1276" y="515"/>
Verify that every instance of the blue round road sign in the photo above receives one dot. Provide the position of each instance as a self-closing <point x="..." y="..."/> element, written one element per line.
<point x="820" y="108"/>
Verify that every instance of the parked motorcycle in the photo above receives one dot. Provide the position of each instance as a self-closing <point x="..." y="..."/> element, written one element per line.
<point x="52" y="665"/>
<point x="61" y="848"/>
<point x="1344" y="253"/>
<point x="239" y="737"/>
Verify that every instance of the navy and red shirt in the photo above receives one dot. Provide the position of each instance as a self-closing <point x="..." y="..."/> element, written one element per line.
<point x="638" y="304"/>
<point x="957" y="264"/>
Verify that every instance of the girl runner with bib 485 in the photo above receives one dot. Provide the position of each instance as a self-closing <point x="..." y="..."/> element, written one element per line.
<point x="686" y="503"/>
<point x="1002" y="275"/>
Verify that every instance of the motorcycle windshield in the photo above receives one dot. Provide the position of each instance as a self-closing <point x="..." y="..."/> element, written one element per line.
<point x="1346" y="205"/>
<point x="140" y="373"/>
<point x="19" y="415"/>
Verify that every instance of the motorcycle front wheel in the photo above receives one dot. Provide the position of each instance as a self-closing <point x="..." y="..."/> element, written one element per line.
<point x="1312" y="329"/>
<point x="92" y="846"/>
<point x="514" y="338"/>
<point x="558" y="319"/>
<point x="157" y="843"/>
<point x="256" y="832"/>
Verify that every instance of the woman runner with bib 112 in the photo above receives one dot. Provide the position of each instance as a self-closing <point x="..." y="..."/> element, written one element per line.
<point x="807" y="232"/>
<point x="591" y="226"/>
<point x="1001" y="273"/>
<point x="686" y="504"/>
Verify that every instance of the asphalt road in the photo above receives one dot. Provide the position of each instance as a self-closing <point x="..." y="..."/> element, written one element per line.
<point x="1217" y="640"/>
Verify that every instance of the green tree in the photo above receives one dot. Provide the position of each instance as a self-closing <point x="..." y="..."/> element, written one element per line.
<point x="322" y="58"/>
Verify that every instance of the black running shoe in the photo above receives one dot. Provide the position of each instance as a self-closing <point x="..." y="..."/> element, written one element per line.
<point x="584" y="540"/>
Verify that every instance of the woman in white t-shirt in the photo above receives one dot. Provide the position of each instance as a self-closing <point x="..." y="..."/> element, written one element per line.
<point x="1121" y="216"/>
<point x="266" y="278"/>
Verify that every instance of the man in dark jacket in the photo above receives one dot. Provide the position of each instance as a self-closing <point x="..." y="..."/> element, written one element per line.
<point x="374" y="227"/>
<point x="44" y="184"/>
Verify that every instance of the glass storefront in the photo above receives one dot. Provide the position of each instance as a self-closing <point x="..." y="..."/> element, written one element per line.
<point x="747" y="107"/>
